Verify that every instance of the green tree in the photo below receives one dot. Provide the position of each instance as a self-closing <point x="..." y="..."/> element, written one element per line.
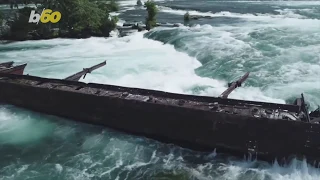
<point x="109" y="24"/>
<point x="80" y="18"/>
<point x="19" y="26"/>
<point x="109" y="6"/>
<point x="86" y="17"/>
<point x="112" y="6"/>
<point x="152" y="12"/>
<point x="93" y="18"/>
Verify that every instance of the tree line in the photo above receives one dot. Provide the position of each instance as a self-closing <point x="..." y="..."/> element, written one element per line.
<point x="80" y="19"/>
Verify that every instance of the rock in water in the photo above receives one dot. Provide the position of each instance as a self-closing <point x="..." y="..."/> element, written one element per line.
<point x="139" y="3"/>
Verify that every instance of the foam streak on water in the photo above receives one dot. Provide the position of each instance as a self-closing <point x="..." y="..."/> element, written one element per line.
<point x="279" y="44"/>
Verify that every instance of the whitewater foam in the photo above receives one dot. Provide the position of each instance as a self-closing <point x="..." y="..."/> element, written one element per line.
<point x="133" y="61"/>
<point x="281" y="54"/>
<point x="23" y="127"/>
<point x="283" y="14"/>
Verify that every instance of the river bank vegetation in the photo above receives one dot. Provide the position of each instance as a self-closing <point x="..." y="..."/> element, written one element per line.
<point x="79" y="19"/>
<point x="152" y="12"/>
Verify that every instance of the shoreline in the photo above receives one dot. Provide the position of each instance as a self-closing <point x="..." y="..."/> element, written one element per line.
<point x="124" y="30"/>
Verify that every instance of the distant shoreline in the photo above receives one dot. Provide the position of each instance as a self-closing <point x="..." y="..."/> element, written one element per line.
<point x="15" y="25"/>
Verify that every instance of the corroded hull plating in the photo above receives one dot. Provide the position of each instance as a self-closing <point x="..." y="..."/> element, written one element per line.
<point x="18" y="70"/>
<point x="6" y="64"/>
<point x="194" y="127"/>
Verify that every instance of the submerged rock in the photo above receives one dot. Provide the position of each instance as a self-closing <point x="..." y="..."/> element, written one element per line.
<point x="139" y="3"/>
<point x="195" y="17"/>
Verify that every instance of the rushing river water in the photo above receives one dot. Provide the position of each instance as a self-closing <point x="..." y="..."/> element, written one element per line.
<point x="277" y="41"/>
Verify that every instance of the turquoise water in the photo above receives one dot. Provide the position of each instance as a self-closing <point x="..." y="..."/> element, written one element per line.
<point x="277" y="41"/>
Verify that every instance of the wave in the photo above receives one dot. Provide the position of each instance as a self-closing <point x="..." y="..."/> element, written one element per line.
<point x="282" y="57"/>
<point x="133" y="61"/>
<point x="22" y="128"/>
<point x="111" y="155"/>
<point x="283" y="14"/>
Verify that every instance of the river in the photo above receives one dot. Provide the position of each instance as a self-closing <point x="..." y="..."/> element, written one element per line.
<point x="278" y="42"/>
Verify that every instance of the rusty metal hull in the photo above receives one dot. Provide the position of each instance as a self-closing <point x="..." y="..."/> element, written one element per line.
<point x="6" y="64"/>
<point x="191" y="127"/>
<point x="18" y="70"/>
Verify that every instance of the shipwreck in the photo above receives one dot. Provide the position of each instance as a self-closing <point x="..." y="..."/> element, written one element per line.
<point x="9" y="68"/>
<point x="267" y="131"/>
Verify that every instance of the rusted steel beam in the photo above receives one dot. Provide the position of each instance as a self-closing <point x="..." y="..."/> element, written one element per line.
<point x="304" y="108"/>
<point x="234" y="85"/>
<point x="77" y="76"/>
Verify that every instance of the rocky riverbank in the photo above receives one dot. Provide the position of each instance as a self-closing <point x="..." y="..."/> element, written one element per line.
<point x="131" y="27"/>
<point x="18" y="28"/>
